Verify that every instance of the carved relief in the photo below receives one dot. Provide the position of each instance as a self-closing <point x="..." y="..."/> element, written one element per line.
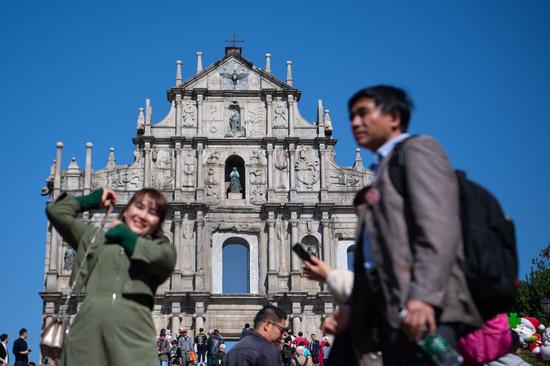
<point x="257" y="194"/>
<point x="188" y="169"/>
<point x="255" y="121"/>
<point x="163" y="171"/>
<point x="134" y="178"/>
<point x="257" y="176"/>
<point x="214" y="81"/>
<point x="280" y="113"/>
<point x="258" y="157"/>
<point x="213" y="158"/>
<point x="254" y="81"/>
<point x="189" y="113"/>
<point x="281" y="163"/>
<point x="307" y="166"/>
<point x="233" y="76"/>
<point x="99" y="180"/>
<point x="228" y="226"/>
<point x="213" y="118"/>
<point x="212" y="186"/>
<point x="68" y="258"/>
<point x="117" y="180"/>
<point x="282" y="236"/>
<point x="339" y="178"/>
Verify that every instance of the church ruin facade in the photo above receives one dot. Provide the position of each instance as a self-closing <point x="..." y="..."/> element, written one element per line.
<point x="239" y="165"/>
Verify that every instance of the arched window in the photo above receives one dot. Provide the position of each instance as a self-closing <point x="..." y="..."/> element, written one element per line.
<point x="236" y="271"/>
<point x="234" y="169"/>
<point x="311" y="244"/>
<point x="351" y="257"/>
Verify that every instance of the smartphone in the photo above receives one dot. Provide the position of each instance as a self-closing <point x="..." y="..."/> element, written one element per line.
<point x="301" y="252"/>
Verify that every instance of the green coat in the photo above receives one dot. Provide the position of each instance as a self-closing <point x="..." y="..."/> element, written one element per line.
<point x="111" y="329"/>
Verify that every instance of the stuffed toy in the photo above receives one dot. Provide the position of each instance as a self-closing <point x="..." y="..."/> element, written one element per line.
<point x="545" y="346"/>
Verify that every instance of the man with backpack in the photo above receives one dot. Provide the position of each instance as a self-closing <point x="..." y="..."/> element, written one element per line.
<point x="408" y="278"/>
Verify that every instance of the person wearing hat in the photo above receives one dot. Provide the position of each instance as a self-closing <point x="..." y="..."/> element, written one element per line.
<point x="121" y="273"/>
<point x="185" y="344"/>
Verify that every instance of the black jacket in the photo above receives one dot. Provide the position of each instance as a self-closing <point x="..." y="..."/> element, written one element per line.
<point x="214" y="343"/>
<point x="253" y="350"/>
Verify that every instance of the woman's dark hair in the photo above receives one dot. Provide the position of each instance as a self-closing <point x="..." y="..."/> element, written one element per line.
<point x="393" y="101"/>
<point x="160" y="202"/>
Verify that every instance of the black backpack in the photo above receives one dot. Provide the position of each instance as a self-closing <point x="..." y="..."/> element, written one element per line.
<point x="491" y="263"/>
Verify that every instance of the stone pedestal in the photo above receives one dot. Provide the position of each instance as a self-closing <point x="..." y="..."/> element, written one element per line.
<point x="234" y="196"/>
<point x="272" y="285"/>
<point x="187" y="281"/>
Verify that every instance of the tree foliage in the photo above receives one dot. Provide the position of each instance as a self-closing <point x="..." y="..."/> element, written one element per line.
<point x="534" y="288"/>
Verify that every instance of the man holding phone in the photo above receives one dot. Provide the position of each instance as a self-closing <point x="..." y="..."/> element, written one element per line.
<point x="409" y="246"/>
<point x="21" y="349"/>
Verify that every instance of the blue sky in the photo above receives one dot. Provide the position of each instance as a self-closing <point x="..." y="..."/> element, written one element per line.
<point x="78" y="71"/>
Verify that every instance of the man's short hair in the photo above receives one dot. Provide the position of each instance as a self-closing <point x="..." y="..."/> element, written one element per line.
<point x="201" y="329"/>
<point x="391" y="100"/>
<point x="3" y="337"/>
<point x="269" y="313"/>
<point x="22" y="331"/>
<point x="247" y="325"/>
<point x="300" y="334"/>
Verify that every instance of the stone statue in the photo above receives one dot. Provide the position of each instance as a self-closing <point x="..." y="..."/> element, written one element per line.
<point x="234" y="124"/>
<point x="68" y="259"/>
<point x="234" y="182"/>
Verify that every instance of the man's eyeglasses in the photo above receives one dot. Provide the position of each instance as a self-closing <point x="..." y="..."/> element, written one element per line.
<point x="282" y="329"/>
<point x="361" y="112"/>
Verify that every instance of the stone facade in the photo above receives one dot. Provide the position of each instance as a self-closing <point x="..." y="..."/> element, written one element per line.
<point x="231" y="114"/>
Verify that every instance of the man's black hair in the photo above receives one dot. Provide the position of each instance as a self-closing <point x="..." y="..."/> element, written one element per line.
<point x="3" y="337"/>
<point x="300" y="334"/>
<point x="22" y="331"/>
<point x="269" y="313"/>
<point x="247" y="325"/>
<point x="391" y="100"/>
<point x="201" y="329"/>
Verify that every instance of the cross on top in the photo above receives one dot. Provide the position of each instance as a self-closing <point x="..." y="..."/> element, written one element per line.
<point x="234" y="40"/>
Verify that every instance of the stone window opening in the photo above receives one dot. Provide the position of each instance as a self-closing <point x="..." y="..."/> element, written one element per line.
<point x="350" y="257"/>
<point x="235" y="266"/>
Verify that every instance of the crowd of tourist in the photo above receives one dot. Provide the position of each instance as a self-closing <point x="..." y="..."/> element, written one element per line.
<point x="183" y="350"/>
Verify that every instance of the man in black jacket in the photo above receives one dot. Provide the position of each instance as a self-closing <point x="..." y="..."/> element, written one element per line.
<point x="214" y="342"/>
<point x="20" y="349"/>
<point x="259" y="347"/>
<point x="4" y="354"/>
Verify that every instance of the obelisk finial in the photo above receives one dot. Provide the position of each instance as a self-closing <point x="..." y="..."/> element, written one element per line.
<point x="289" y="73"/>
<point x="199" y="62"/>
<point x="178" y="72"/>
<point x="268" y="63"/>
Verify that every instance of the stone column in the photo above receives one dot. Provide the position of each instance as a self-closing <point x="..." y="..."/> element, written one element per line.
<point x="176" y="275"/>
<point x="199" y="323"/>
<point x="271" y="255"/>
<point x="188" y="254"/>
<point x="88" y="168"/>
<point x="323" y="178"/>
<point x="176" y="321"/>
<point x="199" y="276"/>
<point x="296" y="324"/>
<point x="57" y="176"/>
<point x="270" y="172"/>
<point x="148" y="116"/>
<point x="147" y="165"/>
<point x="295" y="260"/>
<point x="177" y="190"/>
<point x="291" y="115"/>
<point x="200" y="179"/>
<point x="292" y="171"/>
<point x="200" y="124"/>
<point x="325" y="223"/>
<point x="179" y="114"/>
<point x="269" y="111"/>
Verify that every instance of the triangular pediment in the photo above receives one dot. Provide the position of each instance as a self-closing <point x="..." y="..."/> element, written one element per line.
<point x="234" y="72"/>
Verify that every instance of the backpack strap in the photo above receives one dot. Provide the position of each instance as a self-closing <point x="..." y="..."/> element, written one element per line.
<point x="397" y="166"/>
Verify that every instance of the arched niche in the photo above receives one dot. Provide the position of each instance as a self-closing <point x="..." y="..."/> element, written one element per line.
<point x="311" y="244"/>
<point x="234" y="161"/>
<point x="218" y="241"/>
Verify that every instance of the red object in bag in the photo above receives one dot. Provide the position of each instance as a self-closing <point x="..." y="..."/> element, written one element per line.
<point x="488" y="343"/>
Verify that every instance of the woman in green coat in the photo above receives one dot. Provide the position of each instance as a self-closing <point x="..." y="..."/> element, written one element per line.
<point x="121" y="274"/>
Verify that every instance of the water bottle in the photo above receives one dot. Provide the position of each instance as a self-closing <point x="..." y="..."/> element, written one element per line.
<point x="437" y="348"/>
<point x="440" y="351"/>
